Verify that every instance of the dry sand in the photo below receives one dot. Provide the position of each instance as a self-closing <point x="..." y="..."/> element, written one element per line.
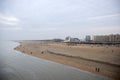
<point x="104" y="60"/>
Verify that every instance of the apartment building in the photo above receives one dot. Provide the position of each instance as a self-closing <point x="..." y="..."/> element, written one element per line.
<point x="107" y="38"/>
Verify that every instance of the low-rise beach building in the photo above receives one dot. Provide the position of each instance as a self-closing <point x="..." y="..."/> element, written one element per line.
<point x="71" y="40"/>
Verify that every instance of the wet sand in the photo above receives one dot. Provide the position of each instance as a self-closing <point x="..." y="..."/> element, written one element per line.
<point x="98" y="59"/>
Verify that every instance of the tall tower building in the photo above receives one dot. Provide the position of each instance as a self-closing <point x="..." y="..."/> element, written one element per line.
<point x="88" y="38"/>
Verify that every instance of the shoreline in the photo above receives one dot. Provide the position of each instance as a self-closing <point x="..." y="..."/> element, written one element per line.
<point x="98" y="67"/>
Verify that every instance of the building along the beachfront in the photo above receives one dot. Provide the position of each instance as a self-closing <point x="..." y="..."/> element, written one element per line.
<point x="71" y="40"/>
<point x="114" y="38"/>
<point x="88" y="38"/>
<point x="101" y="38"/>
<point x="107" y="38"/>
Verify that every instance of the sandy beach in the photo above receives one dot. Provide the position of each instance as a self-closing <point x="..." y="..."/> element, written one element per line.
<point x="103" y="60"/>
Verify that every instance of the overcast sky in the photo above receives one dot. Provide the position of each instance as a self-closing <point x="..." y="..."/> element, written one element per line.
<point x="47" y="19"/>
